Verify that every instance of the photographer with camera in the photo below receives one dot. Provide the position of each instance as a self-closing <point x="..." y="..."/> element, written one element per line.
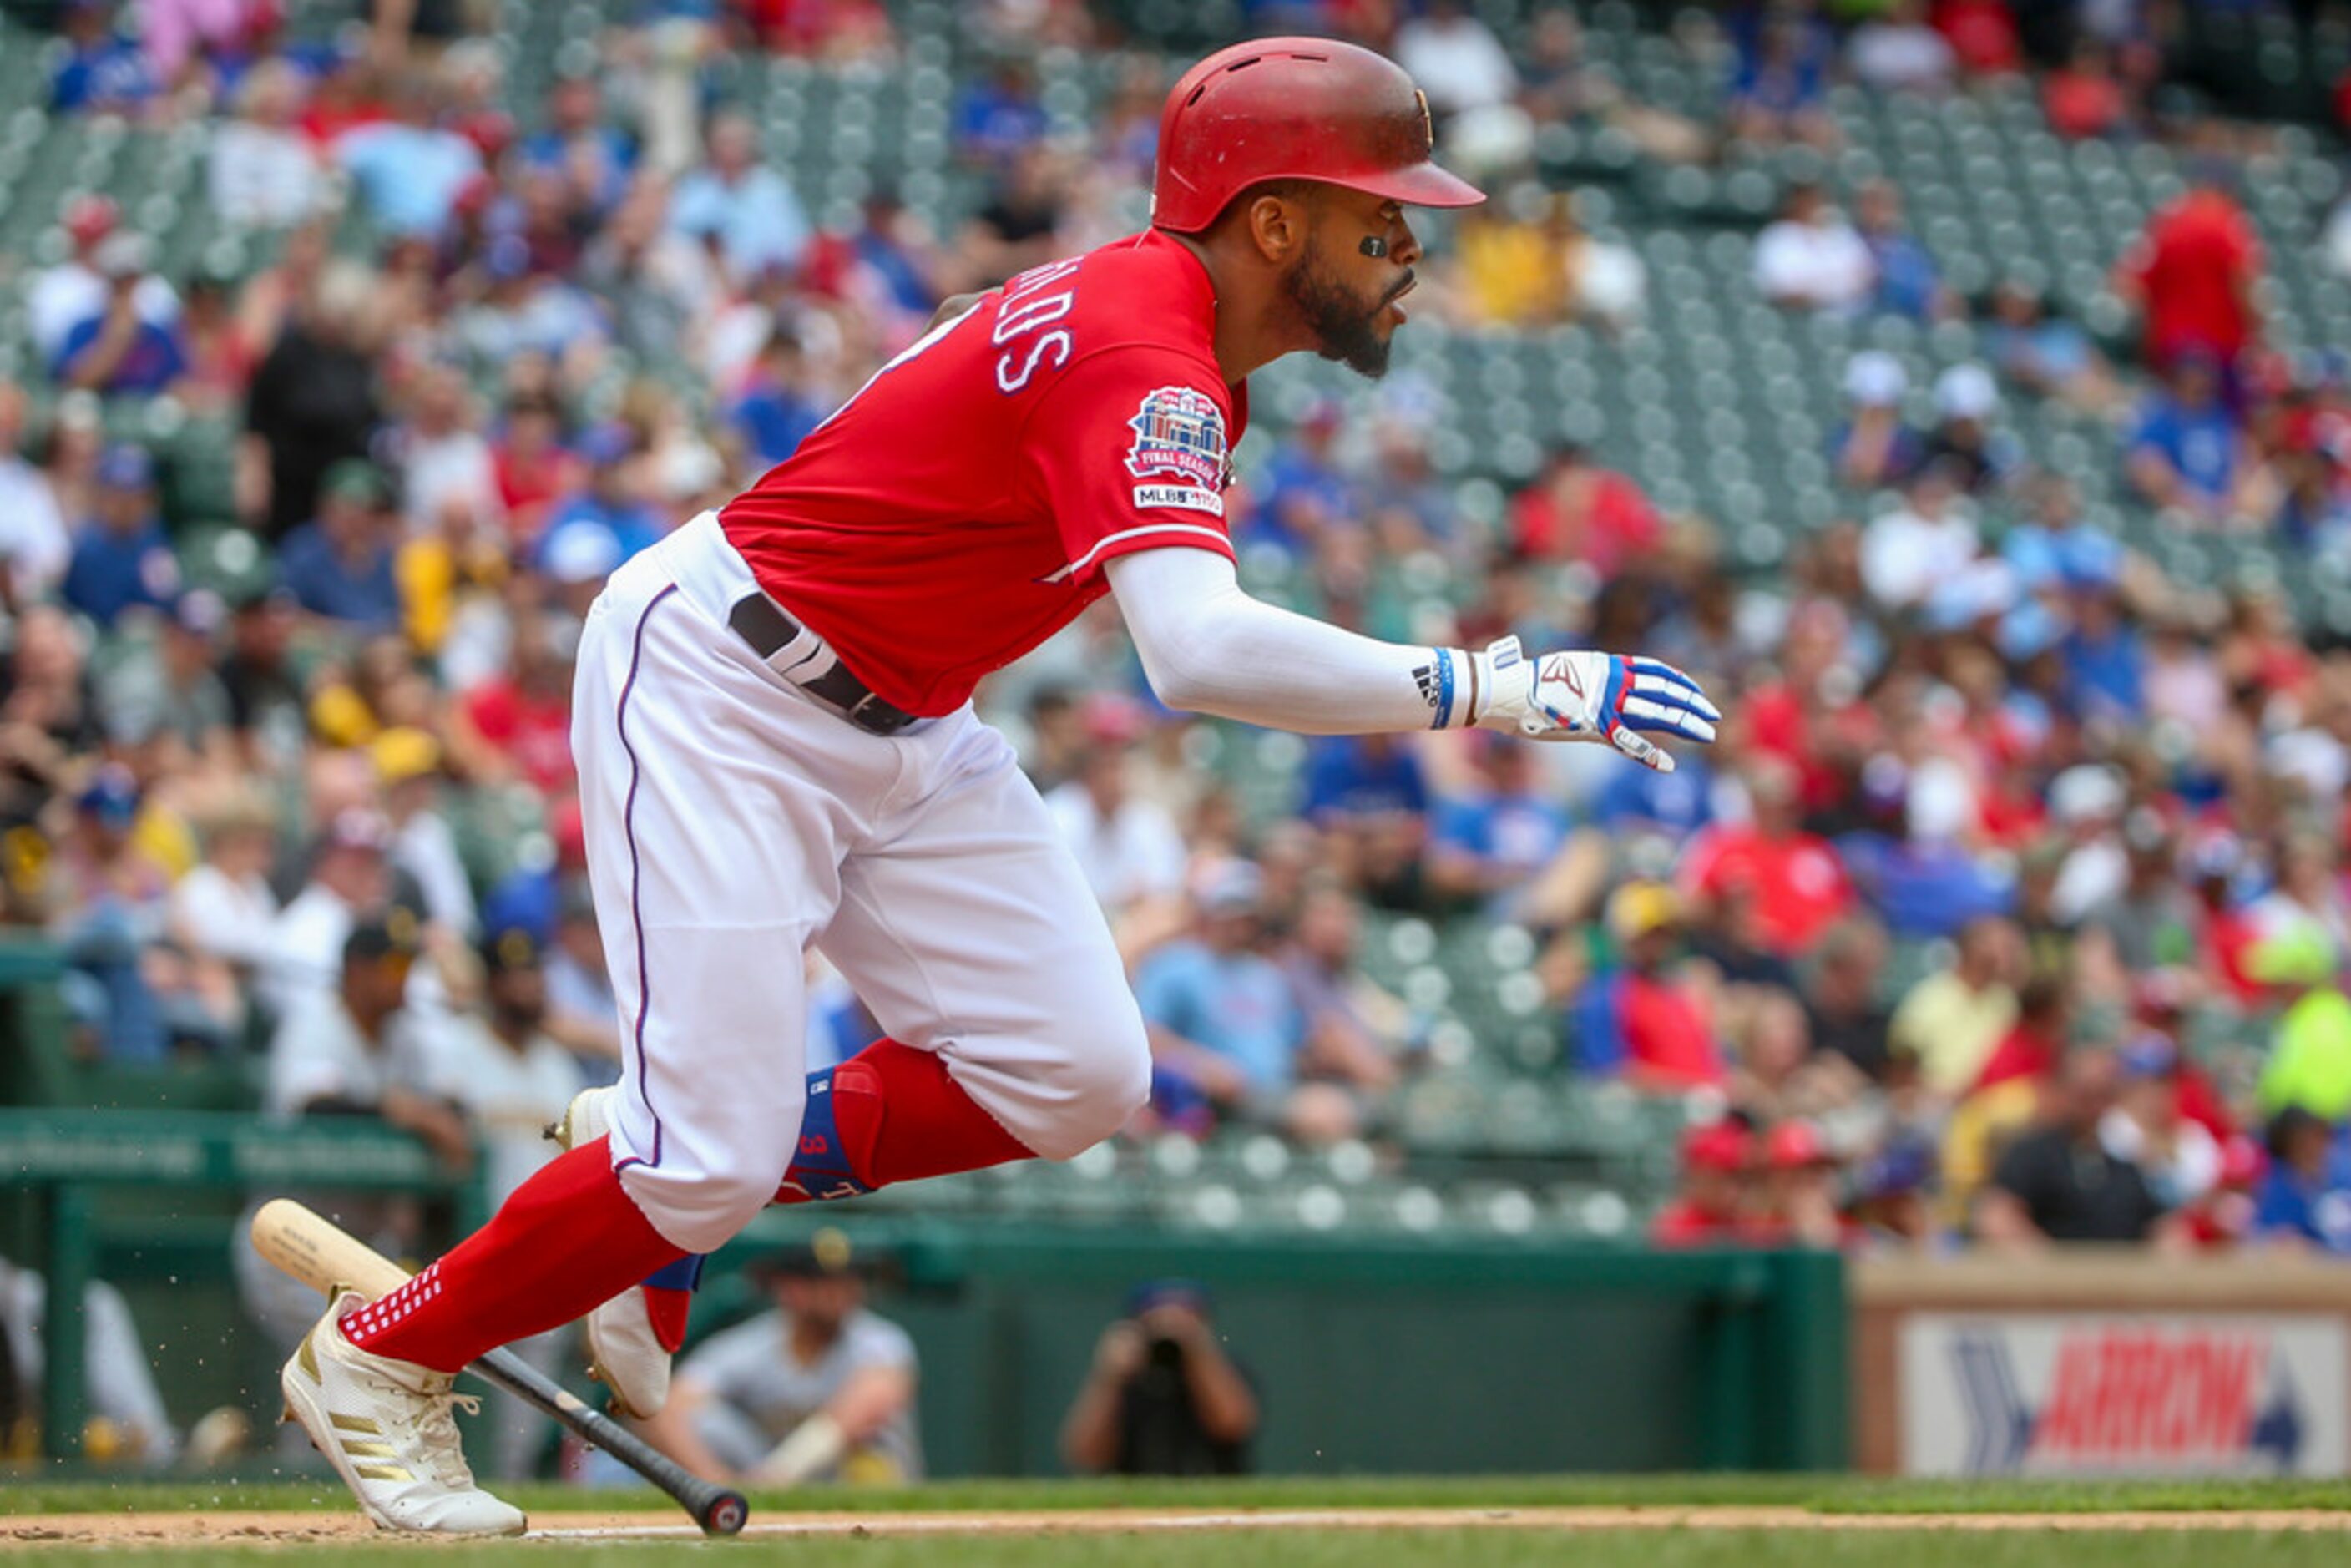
<point x="1162" y="1398"/>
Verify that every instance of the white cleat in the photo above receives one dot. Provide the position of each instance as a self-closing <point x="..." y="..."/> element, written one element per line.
<point x="387" y="1428"/>
<point x="624" y="1354"/>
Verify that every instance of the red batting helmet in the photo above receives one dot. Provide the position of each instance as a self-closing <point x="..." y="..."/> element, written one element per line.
<point x="1295" y="108"/>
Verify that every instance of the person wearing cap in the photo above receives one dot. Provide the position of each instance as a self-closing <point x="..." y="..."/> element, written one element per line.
<point x="171" y="693"/>
<point x="109" y="898"/>
<point x="339" y="567"/>
<point x="1800" y="1206"/>
<point x="59" y="298"/>
<point x="1226" y="1033"/>
<point x="2304" y="1200"/>
<point x="511" y="1079"/>
<point x="614" y="502"/>
<point x="1711" y="1207"/>
<point x="1496" y="841"/>
<point x="819" y="1388"/>
<point x="1875" y="446"/>
<point x="349" y="882"/>
<point x="1129" y="847"/>
<point x="224" y="910"/>
<point x="408" y="769"/>
<point x="121" y="557"/>
<point x="1982" y="458"/>
<point x="352" y="1048"/>
<point x="1648" y="1019"/>
<point x="777" y="752"/>
<point x="2179" y="1156"/>
<point x="1163" y="1397"/>
<point x="116" y="351"/>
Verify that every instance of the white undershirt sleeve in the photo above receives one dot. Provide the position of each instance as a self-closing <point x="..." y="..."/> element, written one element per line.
<point x="1207" y="647"/>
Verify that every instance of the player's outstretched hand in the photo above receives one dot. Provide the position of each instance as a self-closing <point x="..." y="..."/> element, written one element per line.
<point x="1594" y="696"/>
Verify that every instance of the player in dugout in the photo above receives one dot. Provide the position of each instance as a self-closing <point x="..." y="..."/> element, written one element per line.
<point x="776" y="750"/>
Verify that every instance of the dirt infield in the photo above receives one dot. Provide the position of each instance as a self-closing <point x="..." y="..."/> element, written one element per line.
<point x="269" y="1529"/>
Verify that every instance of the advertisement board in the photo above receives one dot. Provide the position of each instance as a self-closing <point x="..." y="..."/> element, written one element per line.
<point x="2089" y="1393"/>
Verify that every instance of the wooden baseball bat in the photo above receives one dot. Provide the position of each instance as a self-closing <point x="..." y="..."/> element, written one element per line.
<point x="307" y="1248"/>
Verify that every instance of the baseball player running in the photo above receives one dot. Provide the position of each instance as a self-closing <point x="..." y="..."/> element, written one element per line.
<point x="776" y="749"/>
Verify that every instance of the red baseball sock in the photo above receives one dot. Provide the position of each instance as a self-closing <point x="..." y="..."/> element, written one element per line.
<point x="567" y="1240"/>
<point x="899" y="1118"/>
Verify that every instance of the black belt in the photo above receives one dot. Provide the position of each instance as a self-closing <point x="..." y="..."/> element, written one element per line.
<point x="762" y="622"/>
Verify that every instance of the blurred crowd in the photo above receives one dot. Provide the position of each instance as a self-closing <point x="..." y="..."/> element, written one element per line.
<point x="2012" y="903"/>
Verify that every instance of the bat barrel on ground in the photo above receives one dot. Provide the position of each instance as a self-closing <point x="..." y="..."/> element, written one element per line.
<point x="307" y="1248"/>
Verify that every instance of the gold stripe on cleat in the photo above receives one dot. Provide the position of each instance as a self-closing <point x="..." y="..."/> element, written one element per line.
<point x="343" y="1423"/>
<point x="359" y="1450"/>
<point x="381" y="1473"/>
<point x="309" y="1359"/>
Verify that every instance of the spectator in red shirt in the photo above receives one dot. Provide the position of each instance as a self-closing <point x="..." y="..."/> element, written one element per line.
<point x="1711" y="1208"/>
<point x="1798" y="884"/>
<point x="1577" y="510"/>
<point x="533" y="466"/>
<point x="519" y="724"/>
<point x="2084" y="96"/>
<point x="1650" y="1021"/>
<point x="2192" y="274"/>
<point x="1799" y="1192"/>
<point x="1982" y="35"/>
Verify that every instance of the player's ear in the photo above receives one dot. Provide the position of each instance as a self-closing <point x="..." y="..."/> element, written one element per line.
<point x="1277" y="219"/>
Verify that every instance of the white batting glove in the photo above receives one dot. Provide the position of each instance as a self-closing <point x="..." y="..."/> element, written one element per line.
<point x="1592" y="696"/>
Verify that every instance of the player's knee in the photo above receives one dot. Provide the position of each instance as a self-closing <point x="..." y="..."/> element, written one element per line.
<point x="1109" y="1082"/>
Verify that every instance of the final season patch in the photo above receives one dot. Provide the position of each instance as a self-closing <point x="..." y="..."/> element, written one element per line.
<point x="1179" y="433"/>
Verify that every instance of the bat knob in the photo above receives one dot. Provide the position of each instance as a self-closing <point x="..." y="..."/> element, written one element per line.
<point x="726" y="1514"/>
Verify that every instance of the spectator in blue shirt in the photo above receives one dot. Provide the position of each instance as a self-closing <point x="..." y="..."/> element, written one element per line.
<point x="410" y="170"/>
<point x="595" y="158"/>
<point x="778" y="405"/>
<point x="748" y="208"/>
<point x="120" y="350"/>
<point x="1907" y="282"/>
<point x="1000" y="116"/>
<point x="339" y="566"/>
<point x="614" y="502"/>
<point x="2187" y="451"/>
<point x="1779" y="92"/>
<point x="1226" y="1028"/>
<point x="1300" y="491"/>
<point x="2305" y="1196"/>
<point x="1370" y="798"/>
<point x="2105" y="663"/>
<point x="121" y="559"/>
<point x="2055" y="547"/>
<point x="103" y="73"/>
<point x="1495" y="844"/>
<point x="2046" y="355"/>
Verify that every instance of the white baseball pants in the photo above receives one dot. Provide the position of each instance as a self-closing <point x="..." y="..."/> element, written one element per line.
<point x="733" y="821"/>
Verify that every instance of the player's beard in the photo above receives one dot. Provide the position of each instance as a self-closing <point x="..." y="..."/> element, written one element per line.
<point x="1343" y="330"/>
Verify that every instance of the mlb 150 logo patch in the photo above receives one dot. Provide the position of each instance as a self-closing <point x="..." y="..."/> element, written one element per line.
<point x="1179" y="440"/>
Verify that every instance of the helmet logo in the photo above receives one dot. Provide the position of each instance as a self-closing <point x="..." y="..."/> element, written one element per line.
<point x="1428" y="127"/>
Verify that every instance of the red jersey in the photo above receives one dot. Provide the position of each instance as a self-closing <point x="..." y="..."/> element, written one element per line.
<point x="2199" y="258"/>
<point x="959" y="510"/>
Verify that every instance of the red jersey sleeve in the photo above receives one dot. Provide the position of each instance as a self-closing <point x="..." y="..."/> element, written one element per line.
<point x="1129" y="450"/>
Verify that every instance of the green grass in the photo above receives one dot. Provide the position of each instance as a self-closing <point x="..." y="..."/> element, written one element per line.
<point x="1416" y="1548"/>
<point x="1827" y="1494"/>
